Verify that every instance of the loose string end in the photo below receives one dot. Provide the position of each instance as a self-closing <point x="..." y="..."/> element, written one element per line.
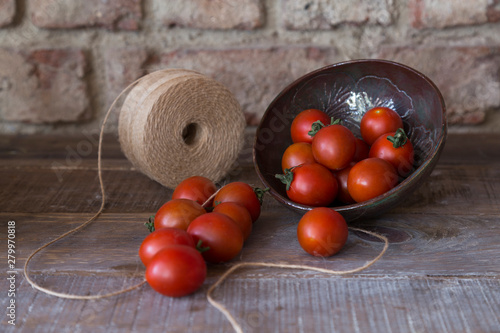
<point x="230" y="317"/>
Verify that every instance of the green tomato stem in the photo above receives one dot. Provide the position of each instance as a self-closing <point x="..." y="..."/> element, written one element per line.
<point x="200" y="247"/>
<point x="259" y="192"/>
<point x="286" y="178"/>
<point x="399" y="139"/>
<point x="315" y="127"/>
<point x="150" y="224"/>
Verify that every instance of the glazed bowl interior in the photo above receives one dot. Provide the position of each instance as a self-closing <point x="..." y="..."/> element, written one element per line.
<point x="346" y="91"/>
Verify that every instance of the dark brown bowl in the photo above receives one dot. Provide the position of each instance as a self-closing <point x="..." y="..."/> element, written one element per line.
<point x="347" y="90"/>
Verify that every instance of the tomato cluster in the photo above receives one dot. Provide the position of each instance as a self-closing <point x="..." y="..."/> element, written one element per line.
<point x="326" y="163"/>
<point x="185" y="234"/>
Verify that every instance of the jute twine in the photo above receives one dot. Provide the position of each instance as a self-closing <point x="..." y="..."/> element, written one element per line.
<point x="149" y="122"/>
<point x="177" y="123"/>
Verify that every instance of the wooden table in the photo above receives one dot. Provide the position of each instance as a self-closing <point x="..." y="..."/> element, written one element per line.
<point x="441" y="272"/>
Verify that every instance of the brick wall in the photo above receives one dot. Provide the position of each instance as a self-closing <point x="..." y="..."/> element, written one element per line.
<point x="62" y="62"/>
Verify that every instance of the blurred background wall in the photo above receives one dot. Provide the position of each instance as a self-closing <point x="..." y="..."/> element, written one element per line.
<point x="62" y="62"/>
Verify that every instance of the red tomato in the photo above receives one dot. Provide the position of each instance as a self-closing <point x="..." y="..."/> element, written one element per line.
<point x="301" y="124"/>
<point x="370" y="178"/>
<point x="196" y="188"/>
<point x="159" y="239"/>
<point x="334" y="146"/>
<point x="241" y="193"/>
<point x="220" y="234"/>
<point x="362" y="150"/>
<point x="176" y="270"/>
<point x="296" y="154"/>
<point x="238" y="214"/>
<point x="378" y="121"/>
<point x="322" y="232"/>
<point x="396" y="149"/>
<point x="343" y="193"/>
<point x="177" y="213"/>
<point x="310" y="184"/>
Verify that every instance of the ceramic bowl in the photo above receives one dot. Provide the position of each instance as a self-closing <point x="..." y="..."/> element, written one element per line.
<point x="347" y="90"/>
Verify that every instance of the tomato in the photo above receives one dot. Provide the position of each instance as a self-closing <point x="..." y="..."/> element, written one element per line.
<point x="238" y="214"/>
<point x="196" y="188"/>
<point x="396" y="149"/>
<point x="243" y="194"/>
<point x="322" y="232"/>
<point x="301" y="124"/>
<point x="370" y="178"/>
<point x="378" y="121"/>
<point x="362" y="150"/>
<point x="159" y="239"/>
<point x="177" y="213"/>
<point x="176" y="270"/>
<point x="334" y="146"/>
<point x="343" y="193"/>
<point x="220" y="234"/>
<point x="296" y="154"/>
<point x="310" y="184"/>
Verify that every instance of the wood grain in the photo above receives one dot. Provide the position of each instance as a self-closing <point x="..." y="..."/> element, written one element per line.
<point x="440" y="274"/>
<point x="268" y="304"/>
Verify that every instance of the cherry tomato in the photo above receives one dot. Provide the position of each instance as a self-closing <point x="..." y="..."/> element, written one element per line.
<point x="196" y="188"/>
<point x="177" y="213"/>
<point x="378" y="121"/>
<point x="343" y="193"/>
<point x="396" y="149"/>
<point x="322" y="232"/>
<point x="310" y="184"/>
<point x="241" y="193"/>
<point x="296" y="154"/>
<point x="370" y="178"/>
<point x="220" y="234"/>
<point x="159" y="239"/>
<point x="301" y="124"/>
<point x="334" y="146"/>
<point x="238" y="214"/>
<point x="362" y="150"/>
<point x="176" y="271"/>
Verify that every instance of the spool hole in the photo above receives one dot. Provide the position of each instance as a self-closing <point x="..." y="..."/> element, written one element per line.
<point x="191" y="133"/>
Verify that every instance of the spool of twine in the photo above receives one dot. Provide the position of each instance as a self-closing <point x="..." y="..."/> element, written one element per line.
<point x="177" y="123"/>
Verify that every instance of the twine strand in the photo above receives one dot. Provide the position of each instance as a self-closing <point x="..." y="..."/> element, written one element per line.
<point x="232" y="269"/>
<point x="84" y="224"/>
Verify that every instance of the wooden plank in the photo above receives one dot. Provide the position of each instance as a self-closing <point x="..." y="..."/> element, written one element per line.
<point x="473" y="188"/>
<point x="442" y="245"/>
<point x="79" y="148"/>
<point x="473" y="184"/>
<point x="459" y="148"/>
<point x="285" y="304"/>
<point x="42" y="190"/>
<point x="40" y="147"/>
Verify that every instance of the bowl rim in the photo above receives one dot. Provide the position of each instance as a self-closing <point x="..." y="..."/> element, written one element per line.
<point x="404" y="184"/>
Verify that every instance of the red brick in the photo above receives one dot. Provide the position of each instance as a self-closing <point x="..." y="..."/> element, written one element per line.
<point x="493" y="11"/>
<point x="213" y="14"/>
<point x="7" y="12"/>
<point x="326" y="14"/>
<point x="111" y="14"/>
<point x="43" y="86"/>
<point x="466" y="76"/>
<point x="449" y="13"/>
<point x="254" y="75"/>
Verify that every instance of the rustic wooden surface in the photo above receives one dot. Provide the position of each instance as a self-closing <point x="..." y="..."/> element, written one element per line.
<point x="440" y="274"/>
